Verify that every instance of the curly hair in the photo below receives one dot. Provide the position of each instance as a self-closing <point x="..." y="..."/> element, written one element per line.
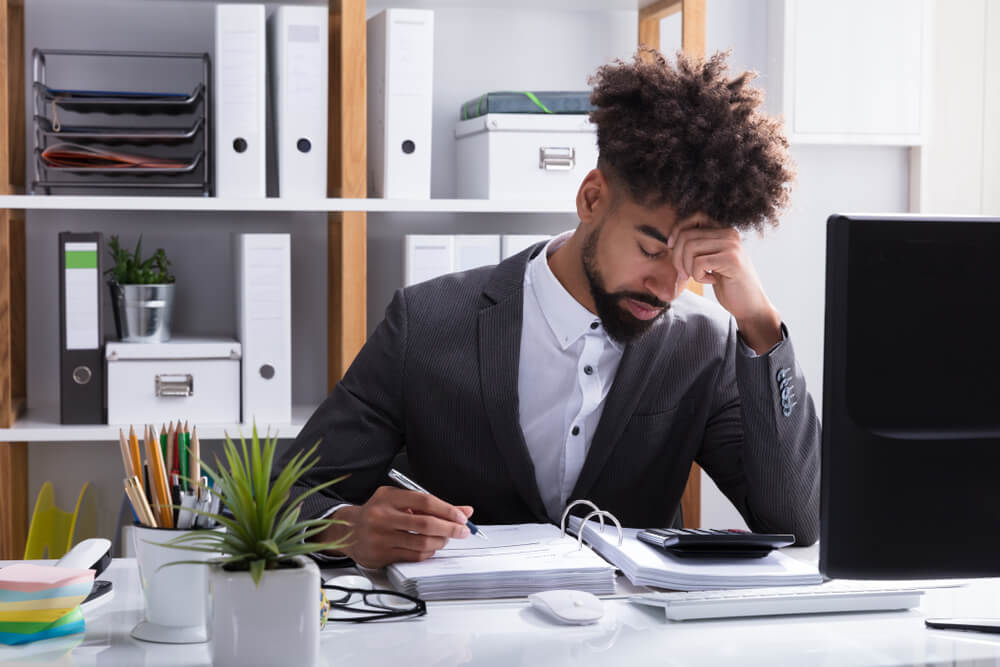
<point x="692" y="138"/>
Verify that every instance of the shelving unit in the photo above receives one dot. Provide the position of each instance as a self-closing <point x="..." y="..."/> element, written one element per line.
<point x="98" y="203"/>
<point x="346" y="212"/>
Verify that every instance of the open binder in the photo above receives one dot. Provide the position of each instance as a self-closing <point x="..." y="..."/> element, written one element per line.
<point x="645" y="565"/>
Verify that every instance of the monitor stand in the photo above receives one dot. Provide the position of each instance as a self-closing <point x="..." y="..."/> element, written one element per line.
<point x="977" y="624"/>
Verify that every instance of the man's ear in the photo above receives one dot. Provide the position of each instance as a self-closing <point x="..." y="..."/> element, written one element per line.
<point x="593" y="197"/>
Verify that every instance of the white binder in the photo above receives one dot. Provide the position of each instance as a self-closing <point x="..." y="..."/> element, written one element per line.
<point x="511" y="244"/>
<point x="475" y="250"/>
<point x="298" y="45"/>
<point x="240" y="84"/>
<point x="427" y="256"/>
<point x="264" y="326"/>
<point x="400" y="94"/>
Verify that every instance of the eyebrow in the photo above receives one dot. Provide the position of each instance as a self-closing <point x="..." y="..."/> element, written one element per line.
<point x="655" y="233"/>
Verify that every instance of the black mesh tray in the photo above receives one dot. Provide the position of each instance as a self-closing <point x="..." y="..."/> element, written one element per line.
<point x="187" y="168"/>
<point x="120" y="135"/>
<point x="115" y="102"/>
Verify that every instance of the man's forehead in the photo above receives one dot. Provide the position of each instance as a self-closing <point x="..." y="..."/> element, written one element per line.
<point x="658" y="222"/>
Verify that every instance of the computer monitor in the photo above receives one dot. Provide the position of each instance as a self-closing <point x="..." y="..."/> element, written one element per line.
<point x="911" y="398"/>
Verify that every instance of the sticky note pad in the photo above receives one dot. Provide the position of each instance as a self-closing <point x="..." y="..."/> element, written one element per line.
<point x="31" y="578"/>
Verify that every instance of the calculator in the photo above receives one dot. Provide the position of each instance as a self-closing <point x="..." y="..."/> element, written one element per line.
<point x="714" y="543"/>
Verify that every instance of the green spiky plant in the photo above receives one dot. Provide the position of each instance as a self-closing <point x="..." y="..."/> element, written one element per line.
<point x="264" y="532"/>
<point x="130" y="268"/>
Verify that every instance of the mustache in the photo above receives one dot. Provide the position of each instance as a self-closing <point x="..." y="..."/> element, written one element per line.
<point x="647" y="299"/>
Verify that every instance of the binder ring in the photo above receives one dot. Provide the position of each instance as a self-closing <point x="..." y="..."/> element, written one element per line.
<point x="562" y="522"/>
<point x="600" y="513"/>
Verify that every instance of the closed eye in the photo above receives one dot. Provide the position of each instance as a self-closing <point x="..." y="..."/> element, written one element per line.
<point x="650" y="255"/>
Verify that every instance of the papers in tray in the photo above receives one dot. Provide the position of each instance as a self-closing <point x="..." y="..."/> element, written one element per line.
<point x="645" y="565"/>
<point x="516" y="561"/>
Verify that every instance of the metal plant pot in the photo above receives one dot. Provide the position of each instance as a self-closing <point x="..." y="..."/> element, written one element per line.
<point x="142" y="312"/>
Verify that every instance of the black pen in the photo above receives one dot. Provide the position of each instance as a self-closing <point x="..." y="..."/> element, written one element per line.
<point x="408" y="483"/>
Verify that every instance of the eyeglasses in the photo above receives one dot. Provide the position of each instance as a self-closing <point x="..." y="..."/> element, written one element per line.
<point x="363" y="605"/>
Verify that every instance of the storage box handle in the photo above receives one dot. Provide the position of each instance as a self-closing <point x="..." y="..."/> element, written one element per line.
<point x="554" y="158"/>
<point x="174" y="385"/>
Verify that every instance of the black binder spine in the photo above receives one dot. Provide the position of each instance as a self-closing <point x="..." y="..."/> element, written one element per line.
<point x="81" y="329"/>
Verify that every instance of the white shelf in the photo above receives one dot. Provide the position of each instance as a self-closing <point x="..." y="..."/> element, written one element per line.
<point x="42" y="425"/>
<point x="108" y="203"/>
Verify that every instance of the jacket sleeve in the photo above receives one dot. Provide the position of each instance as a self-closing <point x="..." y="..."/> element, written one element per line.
<point x="359" y="427"/>
<point x="762" y="440"/>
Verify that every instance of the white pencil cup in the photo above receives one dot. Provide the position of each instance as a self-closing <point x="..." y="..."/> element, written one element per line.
<point x="176" y="596"/>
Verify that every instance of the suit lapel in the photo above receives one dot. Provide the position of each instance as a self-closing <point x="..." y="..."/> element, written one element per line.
<point x="499" y="355"/>
<point x="638" y="363"/>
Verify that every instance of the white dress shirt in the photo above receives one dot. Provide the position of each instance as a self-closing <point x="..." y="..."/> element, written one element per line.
<point x="566" y="368"/>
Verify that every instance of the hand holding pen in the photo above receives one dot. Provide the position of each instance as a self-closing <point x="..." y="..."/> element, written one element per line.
<point x="408" y="483"/>
<point x="398" y="525"/>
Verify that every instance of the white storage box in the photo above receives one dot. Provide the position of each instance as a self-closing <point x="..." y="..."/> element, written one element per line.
<point x="524" y="156"/>
<point x="192" y="379"/>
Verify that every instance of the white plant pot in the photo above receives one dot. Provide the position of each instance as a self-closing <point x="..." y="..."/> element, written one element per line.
<point x="275" y="623"/>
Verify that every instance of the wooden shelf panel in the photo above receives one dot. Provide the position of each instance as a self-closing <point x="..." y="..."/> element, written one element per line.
<point x="105" y="203"/>
<point x="41" y="424"/>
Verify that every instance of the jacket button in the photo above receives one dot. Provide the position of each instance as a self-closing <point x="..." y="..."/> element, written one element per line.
<point x="576" y="430"/>
<point x="588" y="370"/>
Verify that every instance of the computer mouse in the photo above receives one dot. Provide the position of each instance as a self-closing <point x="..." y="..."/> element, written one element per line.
<point x="568" y="606"/>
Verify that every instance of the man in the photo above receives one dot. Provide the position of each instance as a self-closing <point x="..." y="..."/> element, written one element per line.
<point x="580" y="368"/>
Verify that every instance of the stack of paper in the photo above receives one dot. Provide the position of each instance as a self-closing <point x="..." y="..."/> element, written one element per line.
<point x="39" y="602"/>
<point x="646" y="565"/>
<point x="515" y="561"/>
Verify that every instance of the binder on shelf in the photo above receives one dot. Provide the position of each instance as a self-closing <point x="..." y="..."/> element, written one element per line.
<point x="81" y="357"/>
<point x="427" y="256"/>
<point x="475" y="250"/>
<point x="511" y="244"/>
<point x="264" y="326"/>
<point x="240" y="85"/>
<point x="298" y="48"/>
<point x="400" y="94"/>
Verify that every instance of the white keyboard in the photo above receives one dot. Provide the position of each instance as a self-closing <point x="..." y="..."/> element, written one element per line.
<point x="831" y="597"/>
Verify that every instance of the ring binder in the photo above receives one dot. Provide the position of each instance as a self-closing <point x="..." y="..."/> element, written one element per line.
<point x="598" y="512"/>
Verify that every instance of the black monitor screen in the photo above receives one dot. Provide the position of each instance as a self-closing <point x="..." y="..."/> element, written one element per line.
<point x="911" y="405"/>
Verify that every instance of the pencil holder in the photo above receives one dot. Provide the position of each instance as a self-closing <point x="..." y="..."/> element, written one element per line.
<point x="175" y="596"/>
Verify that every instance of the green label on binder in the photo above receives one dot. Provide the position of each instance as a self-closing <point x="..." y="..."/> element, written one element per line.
<point x="81" y="259"/>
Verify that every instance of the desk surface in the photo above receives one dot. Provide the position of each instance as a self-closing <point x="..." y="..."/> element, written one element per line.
<point x="510" y="633"/>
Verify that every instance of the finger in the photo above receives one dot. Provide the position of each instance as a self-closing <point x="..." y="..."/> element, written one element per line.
<point x="681" y="226"/>
<point x="705" y="268"/>
<point x="465" y="509"/>
<point x="425" y="524"/>
<point x="424" y="503"/>
<point x="694" y="249"/>
<point x="420" y="543"/>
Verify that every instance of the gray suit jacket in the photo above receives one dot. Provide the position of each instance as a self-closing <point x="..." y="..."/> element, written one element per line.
<point x="439" y="377"/>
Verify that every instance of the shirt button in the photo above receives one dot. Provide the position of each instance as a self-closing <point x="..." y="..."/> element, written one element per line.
<point x="589" y="370"/>
<point x="594" y="325"/>
<point x="576" y="430"/>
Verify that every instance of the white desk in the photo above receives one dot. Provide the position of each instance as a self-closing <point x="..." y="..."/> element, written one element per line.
<point x="511" y="634"/>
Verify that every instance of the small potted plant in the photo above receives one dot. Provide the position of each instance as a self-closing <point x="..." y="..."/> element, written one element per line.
<point x="264" y="594"/>
<point x="142" y="293"/>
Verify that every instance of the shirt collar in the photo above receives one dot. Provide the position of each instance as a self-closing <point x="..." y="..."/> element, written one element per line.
<point x="566" y="317"/>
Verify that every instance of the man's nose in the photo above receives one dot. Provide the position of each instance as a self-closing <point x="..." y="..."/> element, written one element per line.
<point x="664" y="285"/>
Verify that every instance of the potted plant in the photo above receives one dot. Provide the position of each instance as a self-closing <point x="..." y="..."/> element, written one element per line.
<point x="142" y="293"/>
<point x="264" y="594"/>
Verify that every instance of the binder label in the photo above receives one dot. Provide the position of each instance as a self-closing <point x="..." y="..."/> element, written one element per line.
<point x="82" y="297"/>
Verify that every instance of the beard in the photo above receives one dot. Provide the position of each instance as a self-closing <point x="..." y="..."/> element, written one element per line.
<point x="622" y="326"/>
